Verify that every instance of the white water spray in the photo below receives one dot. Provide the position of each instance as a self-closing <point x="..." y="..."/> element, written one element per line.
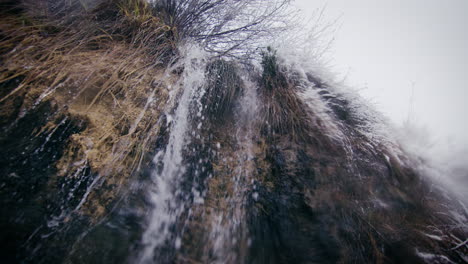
<point x="164" y="191"/>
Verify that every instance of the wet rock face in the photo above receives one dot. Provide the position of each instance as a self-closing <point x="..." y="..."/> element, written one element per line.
<point x="27" y="161"/>
<point x="285" y="198"/>
<point x="269" y="196"/>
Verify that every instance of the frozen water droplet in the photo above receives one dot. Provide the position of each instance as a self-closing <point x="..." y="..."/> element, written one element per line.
<point x="178" y="243"/>
<point x="255" y="196"/>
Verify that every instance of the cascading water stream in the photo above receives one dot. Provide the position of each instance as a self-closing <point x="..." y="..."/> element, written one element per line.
<point x="164" y="193"/>
<point x="228" y="235"/>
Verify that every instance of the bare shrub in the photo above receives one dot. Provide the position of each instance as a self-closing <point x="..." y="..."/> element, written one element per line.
<point x="233" y="28"/>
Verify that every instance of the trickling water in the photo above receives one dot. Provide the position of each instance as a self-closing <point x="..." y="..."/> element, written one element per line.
<point x="163" y="194"/>
<point x="228" y="229"/>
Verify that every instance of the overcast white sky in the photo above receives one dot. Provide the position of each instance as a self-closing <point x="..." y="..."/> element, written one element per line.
<point x="391" y="46"/>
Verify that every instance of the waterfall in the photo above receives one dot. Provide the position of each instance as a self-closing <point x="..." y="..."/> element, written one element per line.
<point x="228" y="229"/>
<point x="164" y="193"/>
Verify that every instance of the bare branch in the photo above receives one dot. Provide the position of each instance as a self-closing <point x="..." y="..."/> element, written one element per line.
<point x="225" y="26"/>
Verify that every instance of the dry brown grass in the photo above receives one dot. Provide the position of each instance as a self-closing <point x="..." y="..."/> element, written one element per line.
<point x="103" y="65"/>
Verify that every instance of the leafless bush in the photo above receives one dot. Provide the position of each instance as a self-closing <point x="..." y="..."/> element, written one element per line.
<point x="226" y="27"/>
